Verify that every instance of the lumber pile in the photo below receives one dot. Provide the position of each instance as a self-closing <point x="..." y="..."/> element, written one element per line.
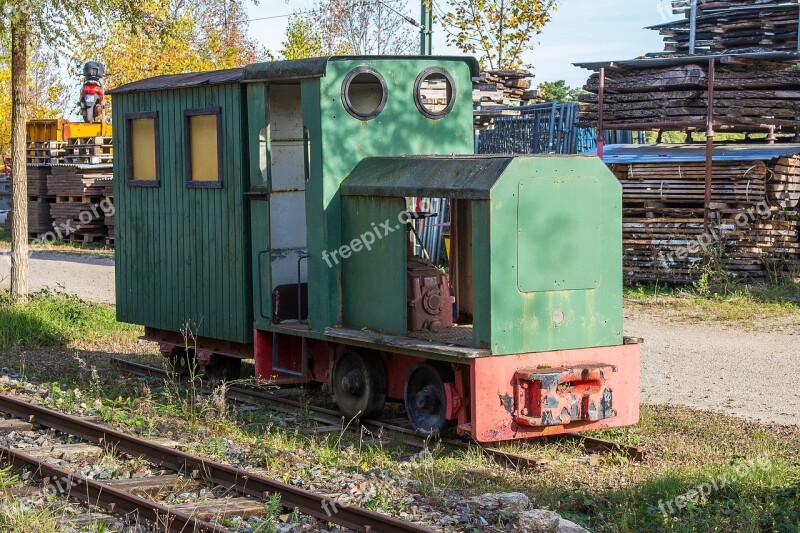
<point x="68" y="196"/>
<point x="37" y="180"/>
<point x="73" y="181"/>
<point x="78" y="192"/>
<point x="108" y="184"/>
<point x="754" y="218"/>
<point x="46" y="152"/>
<point x="768" y="95"/>
<point x="724" y="26"/>
<point x="75" y="151"/>
<point x="495" y="90"/>
<point x="39" y="219"/>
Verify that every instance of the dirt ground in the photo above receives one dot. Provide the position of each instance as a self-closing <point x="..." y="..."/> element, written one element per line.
<point x="88" y="276"/>
<point x="748" y="372"/>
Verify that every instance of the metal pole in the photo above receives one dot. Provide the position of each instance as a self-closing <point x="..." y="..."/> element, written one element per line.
<point x="600" y="109"/>
<point x="709" y="145"/>
<point x="426" y="28"/>
<point x="692" y="27"/>
<point x="798" y="29"/>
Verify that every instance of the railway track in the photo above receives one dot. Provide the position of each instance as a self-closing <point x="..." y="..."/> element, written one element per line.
<point x="333" y="420"/>
<point x="252" y="490"/>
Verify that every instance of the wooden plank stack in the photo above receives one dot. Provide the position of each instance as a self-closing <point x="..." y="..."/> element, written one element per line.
<point x="39" y="220"/>
<point x="45" y="152"/>
<point x="749" y="96"/>
<point x="723" y="26"/>
<point x="495" y="90"/>
<point x="89" y="151"/>
<point x="78" y="191"/>
<point x="754" y="229"/>
<point x="75" y="151"/>
<point x="37" y="181"/>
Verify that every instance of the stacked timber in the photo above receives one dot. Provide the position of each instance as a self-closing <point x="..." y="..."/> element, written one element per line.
<point x="39" y="219"/>
<point x="495" y="90"/>
<point x="45" y="152"/>
<point x="783" y="187"/>
<point x="88" y="151"/>
<point x="753" y="229"/>
<point x="75" y="151"/>
<point x="109" y="213"/>
<point x="767" y="95"/>
<point x="743" y="183"/>
<point x="37" y="180"/>
<point x="78" y="193"/>
<point x="734" y="25"/>
<point x="73" y="181"/>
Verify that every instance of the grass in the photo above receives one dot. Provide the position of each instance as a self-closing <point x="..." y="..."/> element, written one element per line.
<point x="729" y="302"/>
<point x="60" y="246"/>
<point x="54" y="319"/>
<point x="17" y="516"/>
<point x="604" y="492"/>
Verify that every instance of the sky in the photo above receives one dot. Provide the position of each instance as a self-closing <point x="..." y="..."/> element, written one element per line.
<point x="580" y="30"/>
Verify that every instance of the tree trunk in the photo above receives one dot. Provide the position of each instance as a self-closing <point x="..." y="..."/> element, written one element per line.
<point x="19" y="175"/>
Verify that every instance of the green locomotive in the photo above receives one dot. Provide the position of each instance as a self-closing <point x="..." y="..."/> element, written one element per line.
<point x="263" y="213"/>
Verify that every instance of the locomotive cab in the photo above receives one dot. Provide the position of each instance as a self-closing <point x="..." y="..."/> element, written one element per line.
<point x="264" y="213"/>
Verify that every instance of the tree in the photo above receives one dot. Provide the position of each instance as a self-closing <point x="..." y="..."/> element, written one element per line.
<point x="175" y="36"/>
<point x="31" y="22"/>
<point x="558" y="91"/>
<point x="500" y="31"/>
<point x="48" y="96"/>
<point x="302" y="39"/>
<point x="377" y="27"/>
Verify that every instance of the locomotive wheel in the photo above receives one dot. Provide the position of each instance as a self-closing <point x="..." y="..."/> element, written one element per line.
<point x="359" y="384"/>
<point x="426" y="399"/>
<point x="223" y="368"/>
<point x="182" y="362"/>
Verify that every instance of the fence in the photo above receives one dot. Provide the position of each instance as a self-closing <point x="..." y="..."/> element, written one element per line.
<point x="545" y="129"/>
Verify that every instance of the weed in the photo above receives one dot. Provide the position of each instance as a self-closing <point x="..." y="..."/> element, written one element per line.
<point x="53" y="318"/>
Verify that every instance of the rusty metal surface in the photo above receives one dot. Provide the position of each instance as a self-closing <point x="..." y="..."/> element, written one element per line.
<point x="239" y="480"/>
<point x="108" y="497"/>
<point x="556" y="396"/>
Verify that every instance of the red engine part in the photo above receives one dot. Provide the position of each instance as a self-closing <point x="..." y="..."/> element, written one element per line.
<point x="430" y="303"/>
<point x="556" y="396"/>
<point x="545" y="383"/>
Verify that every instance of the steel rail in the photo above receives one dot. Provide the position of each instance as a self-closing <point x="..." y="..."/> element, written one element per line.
<point x="407" y="436"/>
<point x="107" y="497"/>
<point x="331" y="418"/>
<point x="239" y="480"/>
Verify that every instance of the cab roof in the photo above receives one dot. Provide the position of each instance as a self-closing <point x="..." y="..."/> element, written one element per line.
<point x="289" y="70"/>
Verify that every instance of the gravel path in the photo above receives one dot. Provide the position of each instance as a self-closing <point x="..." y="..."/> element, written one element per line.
<point x="753" y="374"/>
<point x="88" y="276"/>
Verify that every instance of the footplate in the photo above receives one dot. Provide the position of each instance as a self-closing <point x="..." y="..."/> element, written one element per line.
<point x="558" y="396"/>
